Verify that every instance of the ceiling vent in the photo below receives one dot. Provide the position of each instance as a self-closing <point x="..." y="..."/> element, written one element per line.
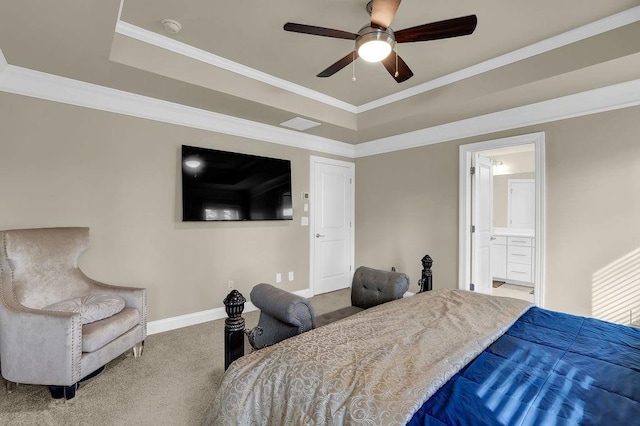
<point x="300" y="124"/>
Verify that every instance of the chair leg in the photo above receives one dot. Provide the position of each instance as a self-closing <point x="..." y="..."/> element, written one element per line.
<point x="69" y="392"/>
<point x="66" y="392"/>
<point x="137" y="349"/>
<point x="11" y="386"/>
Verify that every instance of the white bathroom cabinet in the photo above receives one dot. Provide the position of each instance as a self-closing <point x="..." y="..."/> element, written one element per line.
<point x="512" y="257"/>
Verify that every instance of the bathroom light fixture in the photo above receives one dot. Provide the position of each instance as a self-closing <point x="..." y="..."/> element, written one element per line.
<point x="499" y="167"/>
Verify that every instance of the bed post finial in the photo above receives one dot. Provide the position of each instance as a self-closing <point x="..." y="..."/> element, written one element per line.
<point x="233" y="327"/>
<point x="426" y="282"/>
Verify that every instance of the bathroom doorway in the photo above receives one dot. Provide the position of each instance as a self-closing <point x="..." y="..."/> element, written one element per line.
<point x="501" y="217"/>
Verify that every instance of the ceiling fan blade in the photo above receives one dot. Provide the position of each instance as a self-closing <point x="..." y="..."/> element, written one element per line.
<point x="320" y="31"/>
<point x="351" y="56"/>
<point x="404" y="72"/>
<point x="438" y="30"/>
<point x="383" y="11"/>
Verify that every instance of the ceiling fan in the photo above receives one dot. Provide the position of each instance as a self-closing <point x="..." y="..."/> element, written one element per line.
<point x="375" y="41"/>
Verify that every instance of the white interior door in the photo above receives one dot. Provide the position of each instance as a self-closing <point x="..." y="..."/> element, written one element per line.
<point x="522" y="203"/>
<point x="332" y="224"/>
<point x="482" y="222"/>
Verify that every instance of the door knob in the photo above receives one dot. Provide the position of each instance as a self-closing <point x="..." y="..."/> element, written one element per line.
<point x="319" y="235"/>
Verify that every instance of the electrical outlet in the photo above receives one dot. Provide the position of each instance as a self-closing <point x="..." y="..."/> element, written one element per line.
<point x="278" y="277"/>
<point x="290" y="275"/>
<point x="230" y="285"/>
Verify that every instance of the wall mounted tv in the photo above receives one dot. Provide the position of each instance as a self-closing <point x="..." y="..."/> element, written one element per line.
<point x="222" y="186"/>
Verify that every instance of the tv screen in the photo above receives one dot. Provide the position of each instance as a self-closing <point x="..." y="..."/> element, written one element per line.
<point x="221" y="185"/>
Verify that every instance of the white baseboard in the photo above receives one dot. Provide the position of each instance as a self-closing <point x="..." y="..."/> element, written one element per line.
<point x="159" y="326"/>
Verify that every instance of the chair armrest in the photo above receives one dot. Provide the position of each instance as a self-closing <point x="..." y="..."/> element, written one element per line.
<point x="284" y="306"/>
<point x="372" y="287"/>
<point x="134" y="297"/>
<point x="40" y="347"/>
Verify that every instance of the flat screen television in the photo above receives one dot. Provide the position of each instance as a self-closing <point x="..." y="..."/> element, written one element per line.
<point x="228" y="186"/>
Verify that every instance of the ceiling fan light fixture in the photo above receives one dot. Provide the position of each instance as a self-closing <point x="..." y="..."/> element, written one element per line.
<point x="374" y="51"/>
<point x="374" y="44"/>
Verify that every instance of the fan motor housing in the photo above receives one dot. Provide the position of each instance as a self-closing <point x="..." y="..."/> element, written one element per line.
<point x="370" y="33"/>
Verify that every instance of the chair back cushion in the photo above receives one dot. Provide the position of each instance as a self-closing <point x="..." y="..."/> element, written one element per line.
<point x="44" y="264"/>
<point x="372" y="287"/>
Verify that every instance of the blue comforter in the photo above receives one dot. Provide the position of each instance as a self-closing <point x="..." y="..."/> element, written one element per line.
<point x="549" y="368"/>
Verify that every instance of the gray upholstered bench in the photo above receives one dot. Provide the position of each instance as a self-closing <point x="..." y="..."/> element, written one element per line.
<point x="370" y="287"/>
<point x="284" y="315"/>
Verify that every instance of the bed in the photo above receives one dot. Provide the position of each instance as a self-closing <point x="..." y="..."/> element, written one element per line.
<point x="443" y="357"/>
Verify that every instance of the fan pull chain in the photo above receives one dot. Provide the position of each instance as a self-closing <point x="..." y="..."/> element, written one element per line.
<point x="395" y="48"/>
<point x="353" y="66"/>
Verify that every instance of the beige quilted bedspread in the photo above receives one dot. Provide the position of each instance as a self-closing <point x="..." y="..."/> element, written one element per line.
<point x="374" y="368"/>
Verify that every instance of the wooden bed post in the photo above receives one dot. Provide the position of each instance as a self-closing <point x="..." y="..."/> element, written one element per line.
<point x="426" y="282"/>
<point x="233" y="327"/>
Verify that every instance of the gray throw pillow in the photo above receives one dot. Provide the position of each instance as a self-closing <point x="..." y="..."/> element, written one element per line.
<point x="92" y="307"/>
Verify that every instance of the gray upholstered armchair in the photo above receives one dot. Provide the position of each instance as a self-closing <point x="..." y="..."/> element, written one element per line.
<point x="57" y="326"/>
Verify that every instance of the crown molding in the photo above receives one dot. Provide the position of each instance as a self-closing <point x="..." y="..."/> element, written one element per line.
<point x="581" y="33"/>
<point x="120" y="9"/>
<point x="3" y="62"/>
<point x="26" y="82"/>
<point x="40" y="85"/>
<point x="155" y="39"/>
<point x="608" y="98"/>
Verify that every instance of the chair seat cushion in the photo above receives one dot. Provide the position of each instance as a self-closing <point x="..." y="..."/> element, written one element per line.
<point x="92" y="307"/>
<point x="339" y="314"/>
<point x="99" y="333"/>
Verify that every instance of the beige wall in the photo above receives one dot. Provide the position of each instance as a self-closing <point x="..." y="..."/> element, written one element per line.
<point x="62" y="165"/>
<point x="68" y="166"/>
<point x="407" y="205"/>
<point x="501" y="199"/>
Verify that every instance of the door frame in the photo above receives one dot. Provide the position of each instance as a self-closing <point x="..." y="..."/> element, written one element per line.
<point x="464" y="230"/>
<point x="313" y="160"/>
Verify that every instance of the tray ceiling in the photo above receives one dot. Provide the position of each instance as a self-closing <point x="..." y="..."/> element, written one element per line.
<point x="268" y="75"/>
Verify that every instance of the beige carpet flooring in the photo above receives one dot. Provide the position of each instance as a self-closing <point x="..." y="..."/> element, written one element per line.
<point x="171" y="384"/>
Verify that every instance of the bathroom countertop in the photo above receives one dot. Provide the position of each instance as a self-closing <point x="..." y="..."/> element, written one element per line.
<point x="513" y="232"/>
